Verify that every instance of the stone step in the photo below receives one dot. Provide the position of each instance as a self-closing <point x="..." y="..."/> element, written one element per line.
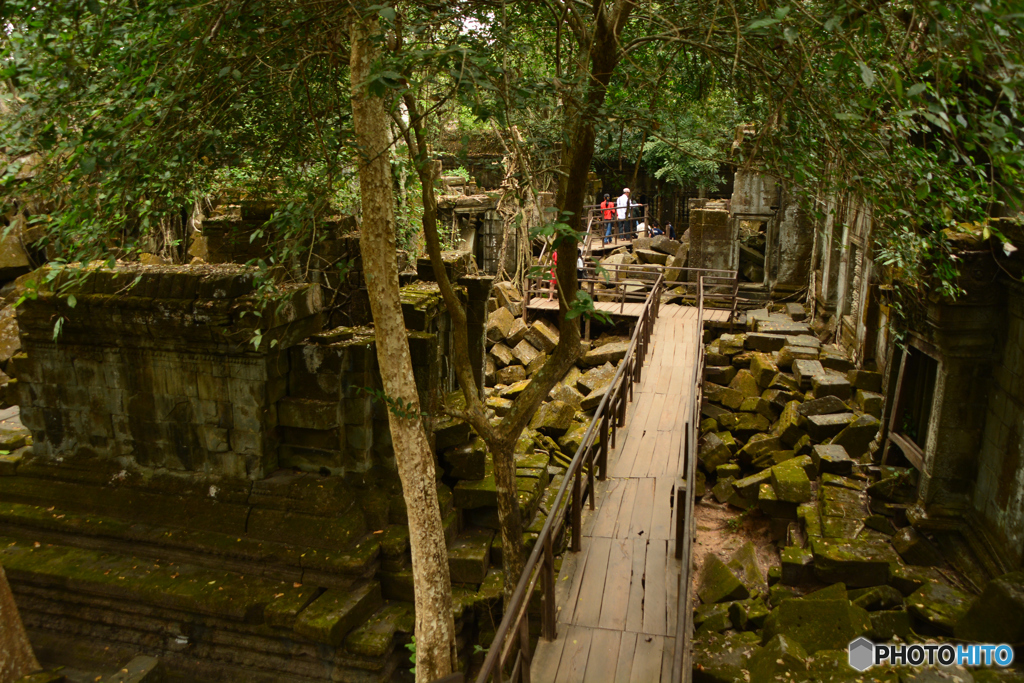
<point x="241" y="554"/>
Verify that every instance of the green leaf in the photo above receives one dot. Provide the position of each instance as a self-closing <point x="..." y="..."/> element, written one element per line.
<point x="72" y="301"/>
<point x="916" y="89"/>
<point x="866" y="74"/>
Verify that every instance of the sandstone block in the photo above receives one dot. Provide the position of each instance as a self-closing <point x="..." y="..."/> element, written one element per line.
<point x="542" y="336"/>
<point x="499" y="324"/>
<point x="525" y="352"/>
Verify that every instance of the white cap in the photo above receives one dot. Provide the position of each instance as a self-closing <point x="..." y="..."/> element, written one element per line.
<point x="625" y="190"/>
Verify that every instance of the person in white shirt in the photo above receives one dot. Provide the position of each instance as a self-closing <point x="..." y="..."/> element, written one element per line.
<point x="623" y="207"/>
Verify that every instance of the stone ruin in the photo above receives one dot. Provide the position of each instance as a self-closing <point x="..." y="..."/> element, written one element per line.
<point x="787" y="428"/>
<point x="232" y="508"/>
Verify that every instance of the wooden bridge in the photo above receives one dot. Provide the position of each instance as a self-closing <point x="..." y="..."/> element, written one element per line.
<point x="615" y="611"/>
<point x="618" y="598"/>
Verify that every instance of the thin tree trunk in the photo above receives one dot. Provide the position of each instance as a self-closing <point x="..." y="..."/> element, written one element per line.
<point x="16" y="657"/>
<point x="436" y="654"/>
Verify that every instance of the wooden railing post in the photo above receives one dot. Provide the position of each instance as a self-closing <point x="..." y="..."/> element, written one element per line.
<point x="549" y="624"/>
<point x="577" y="510"/>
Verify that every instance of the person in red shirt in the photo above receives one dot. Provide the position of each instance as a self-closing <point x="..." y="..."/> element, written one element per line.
<point x="554" y="265"/>
<point x="608" y="215"/>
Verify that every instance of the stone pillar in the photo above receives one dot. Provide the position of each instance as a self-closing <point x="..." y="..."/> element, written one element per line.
<point x="711" y="240"/>
<point x="478" y="289"/>
<point x="790" y="269"/>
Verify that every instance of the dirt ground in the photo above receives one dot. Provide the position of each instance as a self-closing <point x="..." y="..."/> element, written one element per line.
<point x="715" y="534"/>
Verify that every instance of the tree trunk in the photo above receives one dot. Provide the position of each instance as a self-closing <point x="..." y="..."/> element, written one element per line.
<point x="16" y="657"/>
<point x="436" y="654"/>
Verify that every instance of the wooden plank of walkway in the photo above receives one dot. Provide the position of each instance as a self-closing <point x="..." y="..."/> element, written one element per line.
<point x="619" y="609"/>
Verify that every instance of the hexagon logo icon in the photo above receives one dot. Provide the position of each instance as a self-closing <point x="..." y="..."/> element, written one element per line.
<point x="862" y="654"/>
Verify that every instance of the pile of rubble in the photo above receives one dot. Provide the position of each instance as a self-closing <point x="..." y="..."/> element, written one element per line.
<point x="787" y="430"/>
<point x="649" y="258"/>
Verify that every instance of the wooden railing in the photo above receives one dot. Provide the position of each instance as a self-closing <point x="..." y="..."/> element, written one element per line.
<point x="511" y="647"/>
<point x="682" y="666"/>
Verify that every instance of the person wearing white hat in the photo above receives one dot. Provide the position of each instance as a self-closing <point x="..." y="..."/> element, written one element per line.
<point x="622" y="207"/>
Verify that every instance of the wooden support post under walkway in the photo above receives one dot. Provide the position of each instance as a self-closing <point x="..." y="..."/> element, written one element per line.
<point x="617" y="598"/>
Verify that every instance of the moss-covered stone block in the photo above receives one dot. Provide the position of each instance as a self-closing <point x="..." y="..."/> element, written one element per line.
<point x="998" y="614"/>
<point x="889" y="624"/>
<point x="718" y="582"/>
<point x="746" y="384"/>
<point x="855" y="563"/>
<point x="469" y="555"/>
<point x="797" y="565"/>
<point x="817" y="624"/>
<point x="553" y="418"/>
<point x="939" y="605"/>
<point x="781" y="657"/>
<point x="283" y="611"/>
<point x="791" y="484"/>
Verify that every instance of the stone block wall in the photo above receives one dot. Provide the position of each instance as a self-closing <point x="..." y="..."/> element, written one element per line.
<point x="999" y="489"/>
<point x="712" y="242"/>
<point x="156" y="367"/>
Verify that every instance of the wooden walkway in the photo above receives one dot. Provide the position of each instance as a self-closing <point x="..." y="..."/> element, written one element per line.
<point x="634" y="310"/>
<point x="617" y="597"/>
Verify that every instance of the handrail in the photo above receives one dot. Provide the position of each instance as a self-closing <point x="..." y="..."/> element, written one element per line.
<point x="682" y="665"/>
<point x="540" y="564"/>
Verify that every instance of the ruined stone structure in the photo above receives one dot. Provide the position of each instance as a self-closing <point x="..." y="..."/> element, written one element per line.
<point x="230" y="508"/>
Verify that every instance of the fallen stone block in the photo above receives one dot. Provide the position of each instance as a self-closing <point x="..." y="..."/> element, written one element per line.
<point x="832" y="459"/>
<point x="525" y="352"/>
<point x="719" y="658"/>
<point x="501" y="355"/>
<point x="805" y="371"/>
<point x="865" y="380"/>
<point x="769" y="503"/>
<point x="542" y="336"/>
<point x="788" y="426"/>
<point x="787" y="355"/>
<point x="868" y="402"/>
<point x="731" y="344"/>
<point x="791" y="484"/>
<point x="758" y="405"/>
<point x="719" y="582"/>
<point x="915" y="549"/>
<point x="763" y="370"/>
<point x="858" y="435"/>
<point x="805" y="341"/>
<point x="748" y="615"/>
<point x="649" y="256"/>
<point x="516" y="333"/>
<point x="831" y="384"/>
<point x="553" y="418"/>
<point x="607" y="353"/>
<point x="510" y="375"/>
<point x="907" y="579"/>
<point x="822" y="427"/>
<point x="889" y="624"/>
<point x="823" y="406"/>
<point x="796" y="311"/>
<point x="499" y="323"/>
<point x="855" y="563"/>
<point x="939" y="605"/>
<point x="997" y="616"/>
<point x="745" y="383"/>
<point x="765" y="343"/>
<point x="797" y="566"/>
<point x="840" y="528"/>
<point x="817" y="624"/>
<point x="744" y="424"/>
<point x="719" y="375"/>
<point x="748" y="487"/>
<point x="782" y="327"/>
<point x="834" y="359"/>
<point x="596" y="378"/>
<point x="877" y="597"/>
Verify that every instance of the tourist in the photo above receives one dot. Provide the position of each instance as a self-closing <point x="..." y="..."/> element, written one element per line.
<point x="608" y="216"/>
<point x="580" y="265"/>
<point x="656" y="229"/>
<point x="554" y="274"/>
<point x="623" y="207"/>
<point x="671" y="230"/>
